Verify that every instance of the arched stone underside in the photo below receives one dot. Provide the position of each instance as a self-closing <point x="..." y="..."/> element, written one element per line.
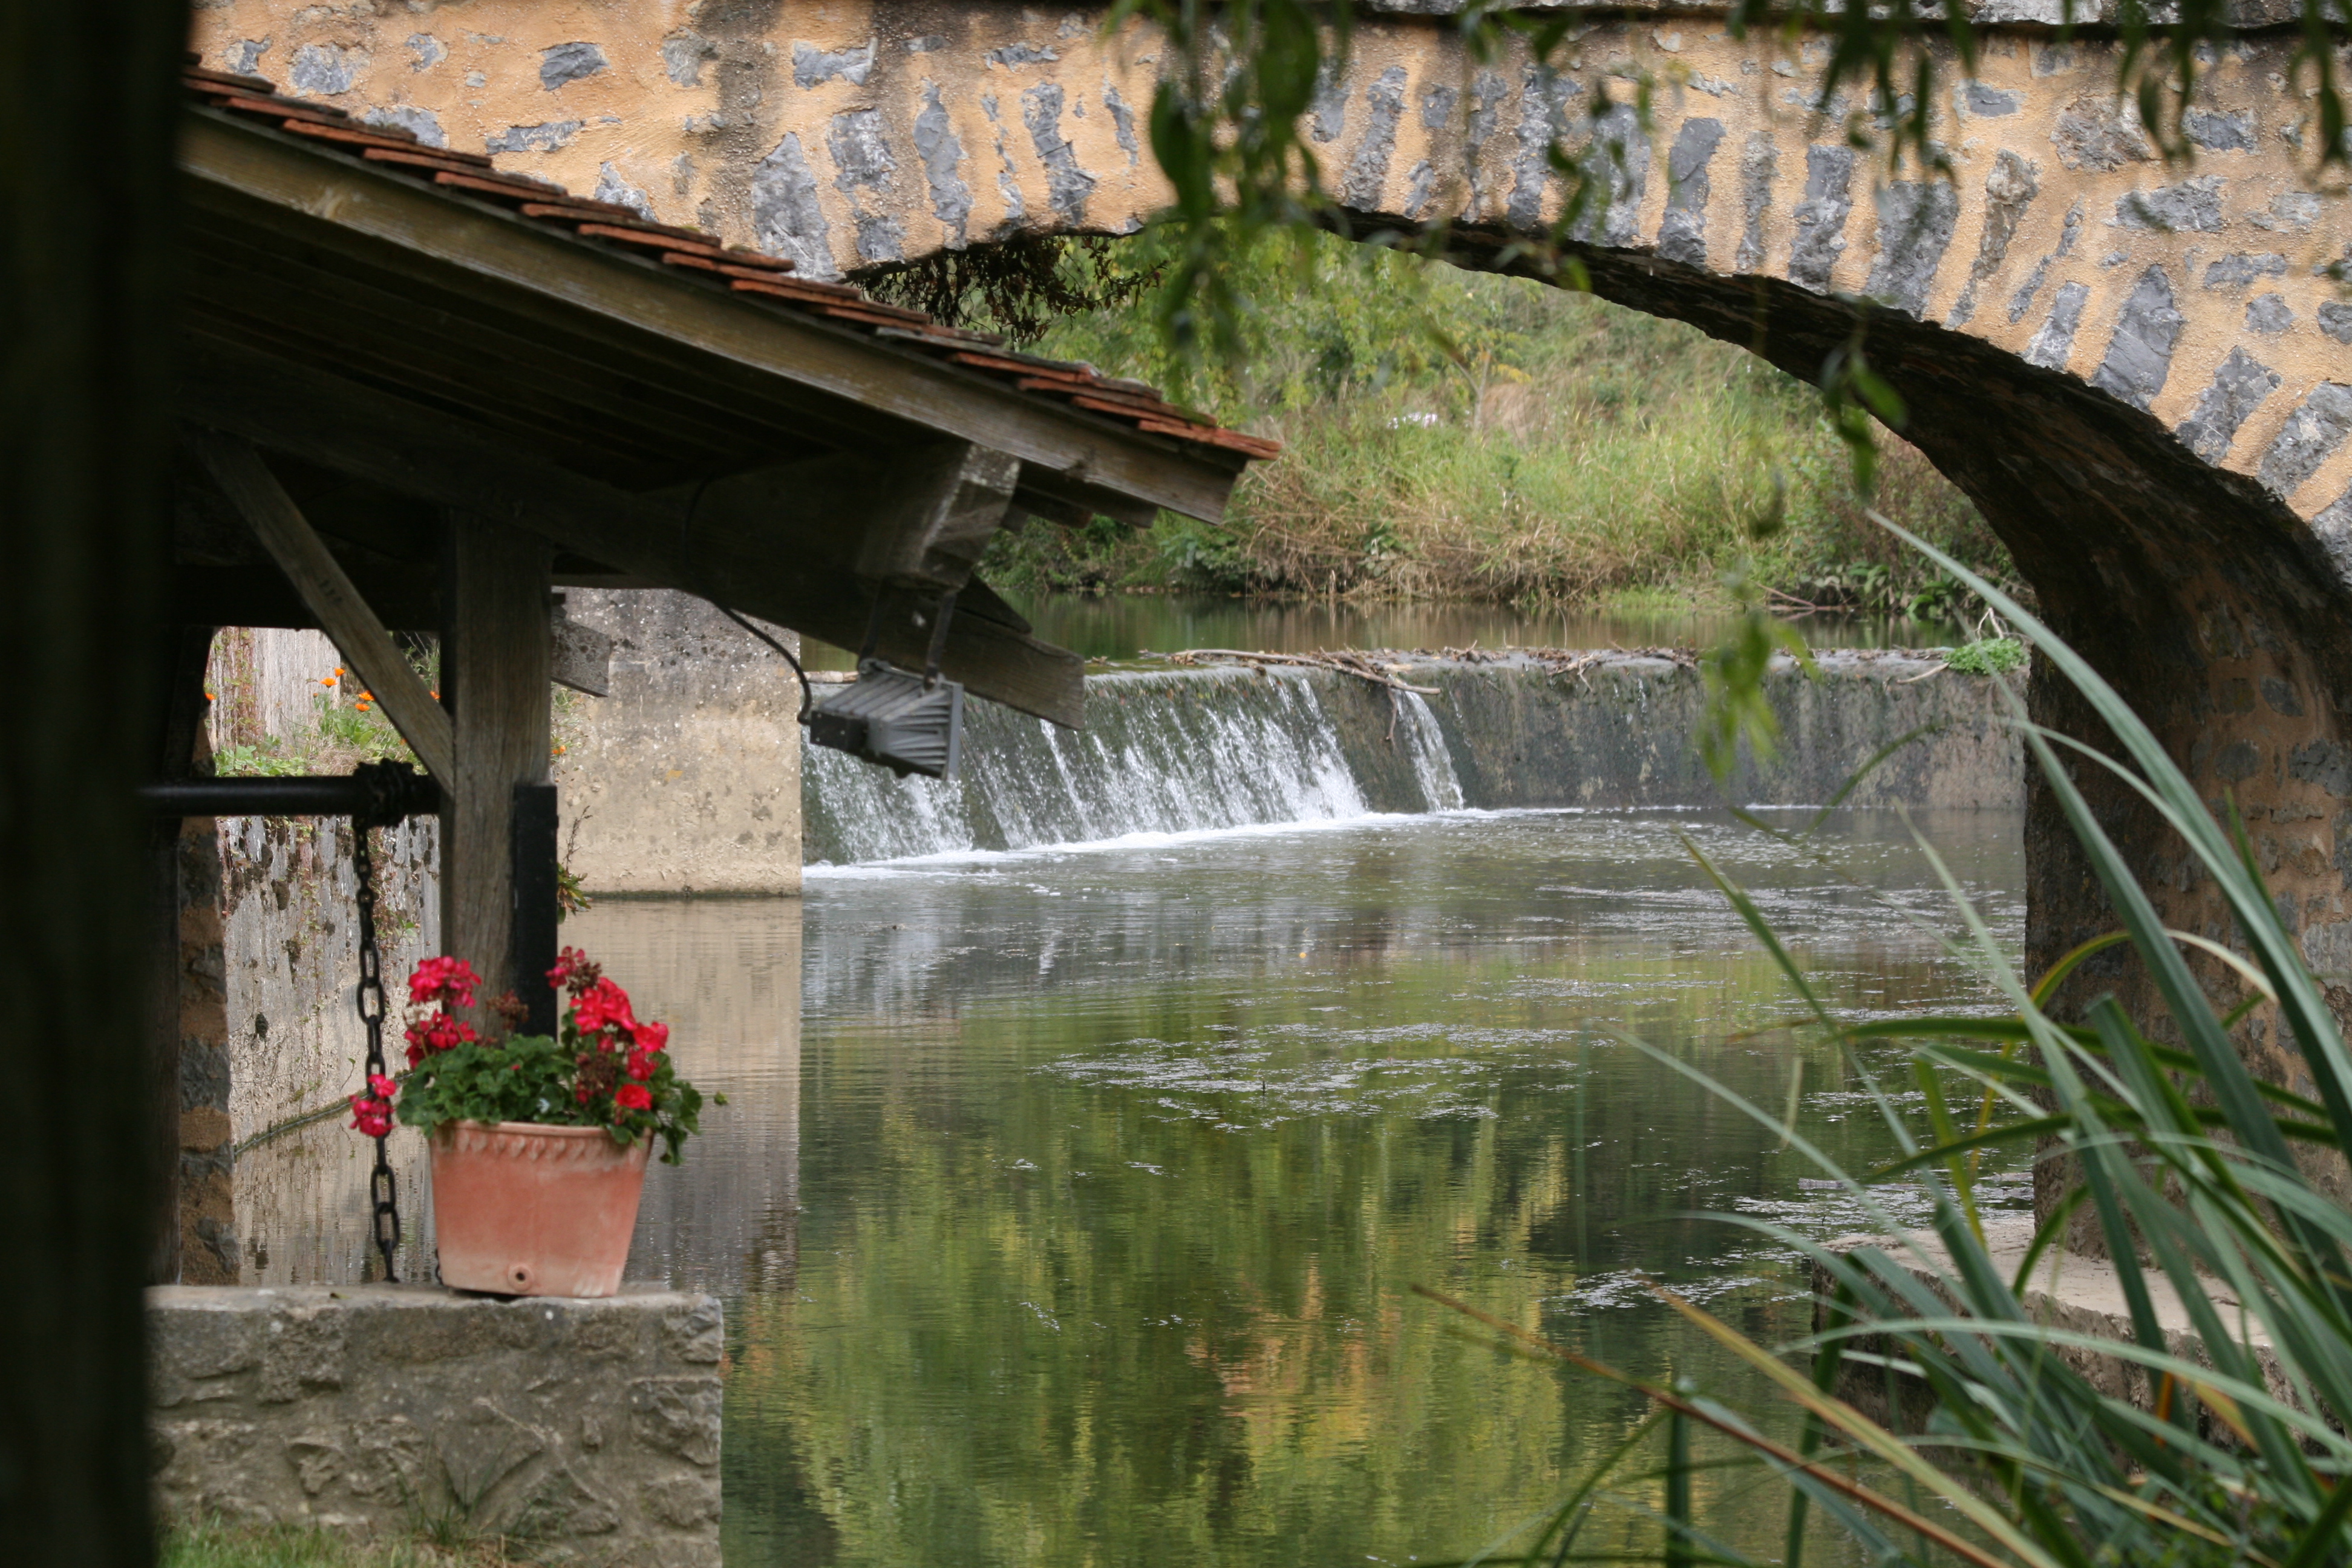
<point x="2142" y="374"/>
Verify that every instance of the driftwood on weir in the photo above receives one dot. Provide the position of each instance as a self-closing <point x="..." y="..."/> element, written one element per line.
<point x="1348" y="662"/>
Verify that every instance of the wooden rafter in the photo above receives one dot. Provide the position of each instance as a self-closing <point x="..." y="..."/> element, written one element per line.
<point x="328" y="591"/>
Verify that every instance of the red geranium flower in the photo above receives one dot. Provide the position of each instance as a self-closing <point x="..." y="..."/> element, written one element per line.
<point x="435" y="1032"/>
<point x="650" y="1035"/>
<point x="634" y="1097"/>
<point x="445" y="980"/>
<point x="600" y="1006"/>
<point x="370" y="1115"/>
<point x="574" y="971"/>
<point x="641" y="1064"/>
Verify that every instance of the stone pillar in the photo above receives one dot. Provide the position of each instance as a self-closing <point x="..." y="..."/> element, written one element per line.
<point x="686" y="779"/>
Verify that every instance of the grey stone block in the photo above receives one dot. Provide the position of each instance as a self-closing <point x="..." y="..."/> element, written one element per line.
<point x="2193" y="206"/>
<point x="2139" y="356"/>
<point x="2238" y="389"/>
<point x="567" y="63"/>
<point x="2309" y="439"/>
<point x="588" y="1429"/>
<point x="1820" y="216"/>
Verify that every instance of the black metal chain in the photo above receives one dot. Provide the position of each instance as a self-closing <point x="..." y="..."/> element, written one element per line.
<point x="384" y="1189"/>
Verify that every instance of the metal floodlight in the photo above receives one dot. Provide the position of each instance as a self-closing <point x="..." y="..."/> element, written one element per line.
<point x="908" y="724"/>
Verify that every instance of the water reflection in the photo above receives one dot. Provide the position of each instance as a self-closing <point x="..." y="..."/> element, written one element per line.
<point x="1119" y="627"/>
<point x="1116" y="1171"/>
<point x="724" y="974"/>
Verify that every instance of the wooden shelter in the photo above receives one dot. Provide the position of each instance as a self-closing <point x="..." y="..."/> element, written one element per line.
<point x="419" y="394"/>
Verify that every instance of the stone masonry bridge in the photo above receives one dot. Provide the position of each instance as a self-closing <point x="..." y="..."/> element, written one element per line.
<point x="2141" y="371"/>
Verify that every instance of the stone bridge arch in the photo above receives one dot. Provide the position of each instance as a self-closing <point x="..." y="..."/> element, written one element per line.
<point x="2142" y="374"/>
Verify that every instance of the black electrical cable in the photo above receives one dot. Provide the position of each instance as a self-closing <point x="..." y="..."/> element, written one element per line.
<point x="686" y="545"/>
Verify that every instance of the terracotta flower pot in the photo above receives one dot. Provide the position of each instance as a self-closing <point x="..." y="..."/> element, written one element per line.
<point x="525" y="1210"/>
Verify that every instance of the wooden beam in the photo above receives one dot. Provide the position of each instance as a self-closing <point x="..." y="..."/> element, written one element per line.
<point x="575" y="286"/>
<point x="496" y="654"/>
<point x="1072" y="502"/>
<point x="89" y="101"/>
<point x="753" y="544"/>
<point x="940" y="511"/>
<point x="327" y="593"/>
<point x="977" y="598"/>
<point x="259" y="595"/>
<point x="912" y="517"/>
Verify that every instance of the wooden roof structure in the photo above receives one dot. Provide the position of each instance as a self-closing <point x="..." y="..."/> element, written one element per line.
<point x="419" y="393"/>
<point x="409" y="333"/>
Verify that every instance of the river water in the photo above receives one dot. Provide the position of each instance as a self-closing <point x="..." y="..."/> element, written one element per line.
<point x="1069" y="1204"/>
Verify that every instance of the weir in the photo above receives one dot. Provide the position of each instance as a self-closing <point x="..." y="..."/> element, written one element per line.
<point x="1195" y="751"/>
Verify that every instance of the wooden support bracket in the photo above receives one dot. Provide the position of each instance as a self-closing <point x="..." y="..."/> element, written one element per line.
<point x="931" y="512"/>
<point x="329" y="594"/>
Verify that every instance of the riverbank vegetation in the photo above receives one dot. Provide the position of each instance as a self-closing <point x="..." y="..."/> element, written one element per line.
<point x="1453" y="435"/>
<point x="2214" y="1430"/>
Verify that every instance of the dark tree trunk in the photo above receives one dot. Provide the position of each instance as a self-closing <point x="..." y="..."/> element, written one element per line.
<point x="87" y="111"/>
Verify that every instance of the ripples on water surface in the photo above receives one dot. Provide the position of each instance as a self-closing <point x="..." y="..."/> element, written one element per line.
<point x="1068" y="1206"/>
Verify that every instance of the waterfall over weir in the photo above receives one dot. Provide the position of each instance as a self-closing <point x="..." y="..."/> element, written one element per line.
<point x="1179" y="751"/>
<point x="1200" y="750"/>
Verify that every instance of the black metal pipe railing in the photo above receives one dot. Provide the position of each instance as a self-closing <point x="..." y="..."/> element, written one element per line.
<point x="374" y="795"/>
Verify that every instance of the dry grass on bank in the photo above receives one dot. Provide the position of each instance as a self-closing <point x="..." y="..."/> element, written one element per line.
<point x="1456" y="436"/>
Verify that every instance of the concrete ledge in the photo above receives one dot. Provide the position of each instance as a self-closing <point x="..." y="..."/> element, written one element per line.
<point x="2067" y="1290"/>
<point x="587" y="1431"/>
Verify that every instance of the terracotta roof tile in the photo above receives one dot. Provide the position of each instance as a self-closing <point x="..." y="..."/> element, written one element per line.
<point x="751" y="275"/>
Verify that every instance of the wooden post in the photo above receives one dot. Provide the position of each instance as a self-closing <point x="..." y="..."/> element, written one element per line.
<point x="89" y="113"/>
<point x="184" y="652"/>
<point x="497" y="655"/>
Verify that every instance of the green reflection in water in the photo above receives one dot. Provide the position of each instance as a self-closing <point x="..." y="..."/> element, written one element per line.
<point x="1116" y="1171"/>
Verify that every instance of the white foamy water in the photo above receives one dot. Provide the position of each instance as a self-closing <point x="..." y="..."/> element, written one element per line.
<point x="1163" y="758"/>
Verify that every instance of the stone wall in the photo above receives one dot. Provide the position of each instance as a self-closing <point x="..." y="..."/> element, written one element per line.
<point x="686" y="778"/>
<point x="582" y="1431"/>
<point x="293" y="1044"/>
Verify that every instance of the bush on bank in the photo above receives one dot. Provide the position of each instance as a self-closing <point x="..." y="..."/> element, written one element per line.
<point x="1458" y="435"/>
